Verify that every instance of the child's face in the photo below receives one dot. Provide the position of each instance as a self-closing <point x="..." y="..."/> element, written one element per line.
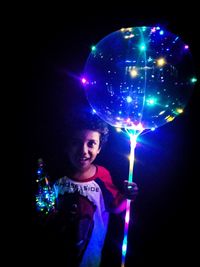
<point x="84" y="146"/>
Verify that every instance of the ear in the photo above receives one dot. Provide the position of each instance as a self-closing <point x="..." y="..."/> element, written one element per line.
<point x="99" y="150"/>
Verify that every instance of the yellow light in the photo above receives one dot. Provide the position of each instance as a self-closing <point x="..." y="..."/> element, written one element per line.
<point x="126" y="29"/>
<point x="169" y="118"/>
<point x="179" y="110"/>
<point x="118" y="130"/>
<point x="161" y="62"/>
<point x="133" y="73"/>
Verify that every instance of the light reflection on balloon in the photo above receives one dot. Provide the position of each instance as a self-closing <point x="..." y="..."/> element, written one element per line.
<point x="139" y="75"/>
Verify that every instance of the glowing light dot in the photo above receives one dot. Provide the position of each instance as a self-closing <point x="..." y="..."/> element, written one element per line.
<point x="118" y="129"/>
<point x="133" y="73"/>
<point x="128" y="36"/>
<point x="179" y="110"/>
<point x="169" y="118"/>
<point x="142" y="47"/>
<point x="83" y="80"/>
<point x="194" y="80"/>
<point x="153" y="29"/>
<point x="163" y="111"/>
<point x="151" y="101"/>
<point x="161" y="61"/>
<point x="129" y="99"/>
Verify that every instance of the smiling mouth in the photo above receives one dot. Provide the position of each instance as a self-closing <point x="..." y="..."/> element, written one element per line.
<point x="83" y="160"/>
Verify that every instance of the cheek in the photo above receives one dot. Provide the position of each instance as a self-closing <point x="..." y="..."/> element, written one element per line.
<point x="71" y="151"/>
<point x="96" y="152"/>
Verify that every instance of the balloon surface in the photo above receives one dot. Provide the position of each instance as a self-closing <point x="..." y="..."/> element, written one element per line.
<point x="139" y="75"/>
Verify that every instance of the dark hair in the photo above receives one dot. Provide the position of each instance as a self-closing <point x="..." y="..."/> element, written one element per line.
<point x="86" y="119"/>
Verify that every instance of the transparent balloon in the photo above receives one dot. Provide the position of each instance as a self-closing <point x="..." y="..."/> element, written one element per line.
<point x="139" y="75"/>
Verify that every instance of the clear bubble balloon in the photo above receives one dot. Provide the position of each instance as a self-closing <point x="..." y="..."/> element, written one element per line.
<point x="139" y="75"/>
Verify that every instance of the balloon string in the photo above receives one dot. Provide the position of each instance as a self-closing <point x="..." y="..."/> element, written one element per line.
<point x="133" y="138"/>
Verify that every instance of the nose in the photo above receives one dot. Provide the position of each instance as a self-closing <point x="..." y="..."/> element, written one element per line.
<point x="84" y="149"/>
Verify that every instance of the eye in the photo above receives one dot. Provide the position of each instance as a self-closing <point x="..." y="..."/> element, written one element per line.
<point x="75" y="142"/>
<point x="92" y="143"/>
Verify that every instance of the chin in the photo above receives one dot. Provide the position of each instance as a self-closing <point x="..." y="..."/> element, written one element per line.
<point x="83" y="167"/>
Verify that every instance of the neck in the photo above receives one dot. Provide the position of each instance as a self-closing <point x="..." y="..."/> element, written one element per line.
<point x="84" y="174"/>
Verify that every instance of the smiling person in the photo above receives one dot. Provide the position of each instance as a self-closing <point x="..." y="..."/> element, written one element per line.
<point x="86" y="195"/>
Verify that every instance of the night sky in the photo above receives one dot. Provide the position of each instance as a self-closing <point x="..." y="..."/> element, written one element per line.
<point x="164" y="224"/>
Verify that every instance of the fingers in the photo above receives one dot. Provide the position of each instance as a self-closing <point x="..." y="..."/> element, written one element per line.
<point x="130" y="190"/>
<point x="130" y="185"/>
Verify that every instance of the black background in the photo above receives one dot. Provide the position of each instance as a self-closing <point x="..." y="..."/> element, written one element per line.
<point x="54" y="45"/>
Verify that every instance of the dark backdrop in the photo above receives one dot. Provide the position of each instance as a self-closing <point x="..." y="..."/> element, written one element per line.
<point x="53" y="50"/>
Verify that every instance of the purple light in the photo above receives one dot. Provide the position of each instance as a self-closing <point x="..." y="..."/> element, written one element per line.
<point x="83" y="80"/>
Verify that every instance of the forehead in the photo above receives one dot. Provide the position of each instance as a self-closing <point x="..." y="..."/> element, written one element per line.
<point x="87" y="135"/>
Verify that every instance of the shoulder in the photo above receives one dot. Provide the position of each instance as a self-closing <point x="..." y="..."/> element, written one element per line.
<point x="104" y="175"/>
<point x="102" y="171"/>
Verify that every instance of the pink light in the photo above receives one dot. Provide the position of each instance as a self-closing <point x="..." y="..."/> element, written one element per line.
<point x="83" y="80"/>
<point x="125" y="240"/>
<point x="127" y="218"/>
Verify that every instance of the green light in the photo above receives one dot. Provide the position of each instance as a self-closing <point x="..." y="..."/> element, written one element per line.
<point x="151" y="101"/>
<point x="142" y="47"/>
<point x="193" y="80"/>
<point x="93" y="48"/>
